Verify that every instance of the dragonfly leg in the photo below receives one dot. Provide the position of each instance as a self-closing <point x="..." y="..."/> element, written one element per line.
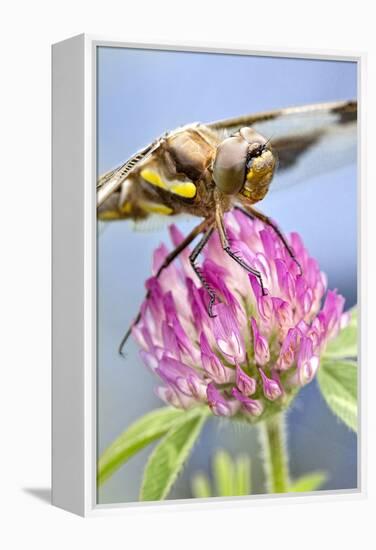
<point x="227" y="248"/>
<point x="253" y="213"/>
<point x="167" y="261"/>
<point x="192" y="258"/>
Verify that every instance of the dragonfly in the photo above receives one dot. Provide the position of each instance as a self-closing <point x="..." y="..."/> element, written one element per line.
<point x="207" y="169"/>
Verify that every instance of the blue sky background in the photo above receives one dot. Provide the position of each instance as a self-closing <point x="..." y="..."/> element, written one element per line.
<point x="143" y="93"/>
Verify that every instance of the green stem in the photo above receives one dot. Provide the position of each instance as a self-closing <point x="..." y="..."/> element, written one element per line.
<point x="273" y="440"/>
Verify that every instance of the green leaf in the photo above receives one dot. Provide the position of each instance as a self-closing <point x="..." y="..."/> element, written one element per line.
<point x="223" y="470"/>
<point x="242" y="482"/>
<point x="338" y="385"/>
<point x="346" y="343"/>
<point x="201" y="486"/>
<point x="231" y="477"/>
<point x="309" y="482"/>
<point x="170" y="454"/>
<point x="141" y="433"/>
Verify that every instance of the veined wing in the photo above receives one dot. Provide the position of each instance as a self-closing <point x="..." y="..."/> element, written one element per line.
<point x="112" y="180"/>
<point x="309" y="140"/>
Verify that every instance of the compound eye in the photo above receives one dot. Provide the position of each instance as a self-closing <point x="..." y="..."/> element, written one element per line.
<point x="229" y="168"/>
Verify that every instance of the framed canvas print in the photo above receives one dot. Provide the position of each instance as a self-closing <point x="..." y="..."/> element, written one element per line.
<point x="206" y="275"/>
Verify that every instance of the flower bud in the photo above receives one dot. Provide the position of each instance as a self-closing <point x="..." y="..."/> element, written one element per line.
<point x="272" y="388"/>
<point x="260" y="345"/>
<point x="245" y="384"/>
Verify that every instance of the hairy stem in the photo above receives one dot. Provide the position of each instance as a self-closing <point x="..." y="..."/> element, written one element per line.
<point x="273" y="440"/>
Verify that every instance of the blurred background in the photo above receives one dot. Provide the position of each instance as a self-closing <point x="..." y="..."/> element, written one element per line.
<point x="141" y="94"/>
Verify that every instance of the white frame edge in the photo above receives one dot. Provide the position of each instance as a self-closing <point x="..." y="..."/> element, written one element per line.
<point x="67" y="274"/>
<point x="74" y="279"/>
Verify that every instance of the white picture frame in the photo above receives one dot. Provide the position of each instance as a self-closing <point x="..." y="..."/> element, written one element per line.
<point x="74" y="386"/>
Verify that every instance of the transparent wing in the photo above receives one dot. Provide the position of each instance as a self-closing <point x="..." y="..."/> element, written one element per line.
<point x="290" y="116"/>
<point x="157" y="222"/>
<point x="310" y="155"/>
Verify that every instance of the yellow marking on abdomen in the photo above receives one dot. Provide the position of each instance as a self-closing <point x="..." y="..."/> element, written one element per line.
<point x="126" y="208"/>
<point x="185" y="189"/>
<point x="153" y="177"/>
<point x="155" y="208"/>
<point x="109" y="215"/>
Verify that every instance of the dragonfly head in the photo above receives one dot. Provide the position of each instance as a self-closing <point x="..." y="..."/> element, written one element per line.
<point x="245" y="164"/>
